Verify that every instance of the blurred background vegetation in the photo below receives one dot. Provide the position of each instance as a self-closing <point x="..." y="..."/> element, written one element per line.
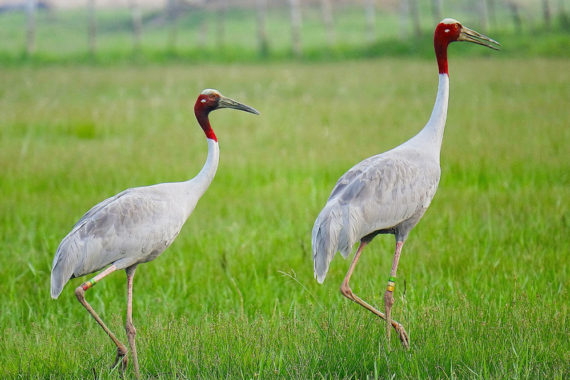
<point x="105" y="31"/>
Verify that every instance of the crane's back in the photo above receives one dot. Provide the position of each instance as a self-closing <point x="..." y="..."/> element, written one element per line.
<point x="134" y="226"/>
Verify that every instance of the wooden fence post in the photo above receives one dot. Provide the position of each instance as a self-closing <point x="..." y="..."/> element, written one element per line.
<point x="404" y="14"/>
<point x="562" y="16"/>
<point x="436" y="10"/>
<point x="172" y="19"/>
<point x="31" y="7"/>
<point x="296" y="27"/>
<point x="546" y="13"/>
<point x="415" y="17"/>
<point x="370" y="15"/>
<point x="223" y="6"/>
<point x="92" y="27"/>
<point x="326" y="10"/>
<point x="514" y="8"/>
<point x="137" y="24"/>
<point x="261" y="28"/>
<point x="492" y="14"/>
<point x="483" y="15"/>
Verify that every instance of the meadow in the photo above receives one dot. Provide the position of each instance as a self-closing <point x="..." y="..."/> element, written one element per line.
<point x="483" y="279"/>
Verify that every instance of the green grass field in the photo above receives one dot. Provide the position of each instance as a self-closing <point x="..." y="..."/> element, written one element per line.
<point x="485" y="272"/>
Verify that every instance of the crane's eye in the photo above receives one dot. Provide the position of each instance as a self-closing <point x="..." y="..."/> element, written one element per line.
<point x="203" y="101"/>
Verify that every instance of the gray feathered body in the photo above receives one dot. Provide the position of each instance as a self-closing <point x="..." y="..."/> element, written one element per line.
<point x="386" y="193"/>
<point x="132" y="227"/>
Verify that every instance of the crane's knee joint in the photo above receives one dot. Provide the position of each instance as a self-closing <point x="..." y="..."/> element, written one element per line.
<point x="80" y="293"/>
<point x="80" y="290"/>
<point x="346" y="291"/>
<point x="122" y="352"/>
<point x="130" y="329"/>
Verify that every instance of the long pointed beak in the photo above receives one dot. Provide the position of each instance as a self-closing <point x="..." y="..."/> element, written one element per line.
<point x="230" y="103"/>
<point x="470" y="35"/>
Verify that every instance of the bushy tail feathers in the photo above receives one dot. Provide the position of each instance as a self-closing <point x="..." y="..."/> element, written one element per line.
<point x="325" y="241"/>
<point x="61" y="272"/>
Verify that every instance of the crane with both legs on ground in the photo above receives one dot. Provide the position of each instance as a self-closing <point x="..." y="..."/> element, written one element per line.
<point x="390" y="192"/>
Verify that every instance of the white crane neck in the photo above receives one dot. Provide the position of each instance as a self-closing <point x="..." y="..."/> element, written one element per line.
<point x="192" y="190"/>
<point x="208" y="171"/>
<point x="429" y="139"/>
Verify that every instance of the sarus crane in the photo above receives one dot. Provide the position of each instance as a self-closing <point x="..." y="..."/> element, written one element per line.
<point x="390" y="192"/>
<point x="135" y="227"/>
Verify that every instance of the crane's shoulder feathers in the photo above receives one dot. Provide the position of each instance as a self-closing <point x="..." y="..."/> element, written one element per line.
<point x="380" y="174"/>
<point x="131" y="207"/>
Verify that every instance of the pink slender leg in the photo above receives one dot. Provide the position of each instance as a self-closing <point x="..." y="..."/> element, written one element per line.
<point x="80" y="294"/>
<point x="347" y="292"/>
<point x="389" y="294"/>
<point x="129" y="327"/>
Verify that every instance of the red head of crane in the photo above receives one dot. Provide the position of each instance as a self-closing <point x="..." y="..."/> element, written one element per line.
<point x="390" y="192"/>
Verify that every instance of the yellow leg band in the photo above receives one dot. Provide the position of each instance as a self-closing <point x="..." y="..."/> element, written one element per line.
<point x="391" y="286"/>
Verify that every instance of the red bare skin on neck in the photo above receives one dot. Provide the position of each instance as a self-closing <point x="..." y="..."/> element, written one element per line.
<point x="443" y="36"/>
<point x="205" y="104"/>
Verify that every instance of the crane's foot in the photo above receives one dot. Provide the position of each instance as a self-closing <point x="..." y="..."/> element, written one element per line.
<point x="121" y="360"/>
<point x="404" y="338"/>
<point x="403" y="335"/>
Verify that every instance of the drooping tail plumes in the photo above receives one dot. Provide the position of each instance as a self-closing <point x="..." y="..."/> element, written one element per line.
<point x="325" y="241"/>
<point x="62" y="269"/>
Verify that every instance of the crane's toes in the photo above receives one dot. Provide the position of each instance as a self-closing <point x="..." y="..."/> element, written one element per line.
<point x="404" y="338"/>
<point x="121" y="359"/>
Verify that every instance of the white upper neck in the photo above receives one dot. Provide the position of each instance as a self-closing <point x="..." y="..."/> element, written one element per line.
<point x="430" y="137"/>
<point x="209" y="169"/>
<point x="202" y="181"/>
